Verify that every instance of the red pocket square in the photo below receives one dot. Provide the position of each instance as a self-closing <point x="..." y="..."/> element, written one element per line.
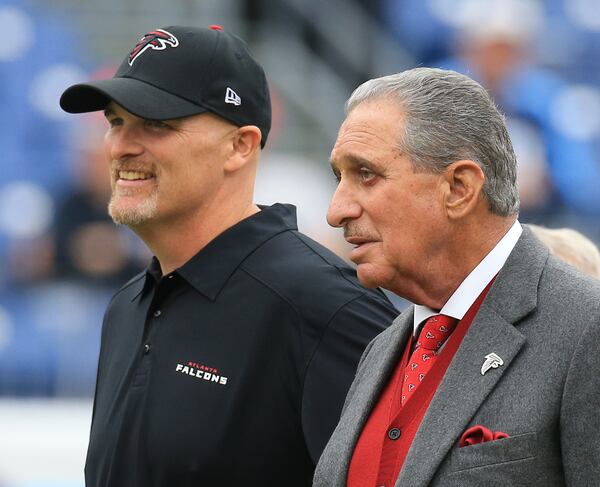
<point x="479" y="434"/>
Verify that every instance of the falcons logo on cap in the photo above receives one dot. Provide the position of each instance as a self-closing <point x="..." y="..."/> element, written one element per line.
<point x="157" y="39"/>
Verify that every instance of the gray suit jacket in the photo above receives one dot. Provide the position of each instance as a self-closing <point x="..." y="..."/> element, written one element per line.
<point x="542" y="318"/>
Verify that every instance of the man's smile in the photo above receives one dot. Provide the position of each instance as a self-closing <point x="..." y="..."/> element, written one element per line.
<point x="133" y="178"/>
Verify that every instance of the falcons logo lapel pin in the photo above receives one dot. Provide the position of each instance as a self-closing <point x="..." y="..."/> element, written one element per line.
<point x="492" y="361"/>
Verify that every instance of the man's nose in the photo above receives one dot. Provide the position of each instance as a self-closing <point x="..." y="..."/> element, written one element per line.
<point x="123" y="143"/>
<point x="343" y="207"/>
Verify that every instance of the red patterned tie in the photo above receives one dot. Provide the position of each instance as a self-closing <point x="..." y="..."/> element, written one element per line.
<point x="433" y="335"/>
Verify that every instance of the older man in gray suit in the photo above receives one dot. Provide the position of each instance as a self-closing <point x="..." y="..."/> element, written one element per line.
<point x="501" y="386"/>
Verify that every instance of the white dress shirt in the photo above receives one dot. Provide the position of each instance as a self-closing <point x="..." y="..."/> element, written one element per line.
<point x="468" y="291"/>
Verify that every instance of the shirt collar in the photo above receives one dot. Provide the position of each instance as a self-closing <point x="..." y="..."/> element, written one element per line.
<point x="211" y="267"/>
<point x="471" y="287"/>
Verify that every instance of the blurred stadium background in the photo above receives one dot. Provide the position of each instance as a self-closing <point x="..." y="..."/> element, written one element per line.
<point x="61" y="258"/>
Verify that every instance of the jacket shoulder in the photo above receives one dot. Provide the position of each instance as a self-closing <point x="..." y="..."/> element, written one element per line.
<point x="569" y="287"/>
<point x="308" y="275"/>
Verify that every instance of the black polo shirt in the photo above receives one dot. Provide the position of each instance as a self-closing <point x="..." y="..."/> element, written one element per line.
<point x="233" y="369"/>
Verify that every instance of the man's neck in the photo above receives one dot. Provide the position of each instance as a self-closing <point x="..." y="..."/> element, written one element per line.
<point x="446" y="271"/>
<point x="175" y="242"/>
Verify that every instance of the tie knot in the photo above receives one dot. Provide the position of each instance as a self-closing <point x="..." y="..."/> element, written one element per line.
<point x="435" y="332"/>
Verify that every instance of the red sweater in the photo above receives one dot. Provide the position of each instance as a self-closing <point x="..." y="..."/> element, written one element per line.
<point x="377" y="458"/>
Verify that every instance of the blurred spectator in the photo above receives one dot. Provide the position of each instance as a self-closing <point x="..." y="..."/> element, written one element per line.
<point x="558" y="168"/>
<point x="571" y="246"/>
<point x="62" y="255"/>
<point x="90" y="248"/>
<point x="34" y="135"/>
<point x="553" y="111"/>
<point x="30" y="261"/>
<point x="50" y="322"/>
<point x="416" y="27"/>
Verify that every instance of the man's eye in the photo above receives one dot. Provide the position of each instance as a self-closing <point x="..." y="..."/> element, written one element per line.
<point x="157" y="124"/>
<point x="113" y="122"/>
<point x="366" y="175"/>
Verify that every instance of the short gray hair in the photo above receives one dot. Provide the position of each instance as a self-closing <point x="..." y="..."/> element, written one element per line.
<point x="450" y="117"/>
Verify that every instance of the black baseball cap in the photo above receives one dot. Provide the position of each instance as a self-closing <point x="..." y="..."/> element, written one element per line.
<point x="177" y="71"/>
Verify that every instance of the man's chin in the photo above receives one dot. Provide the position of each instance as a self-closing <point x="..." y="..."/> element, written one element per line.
<point x="368" y="276"/>
<point x="130" y="216"/>
<point x="125" y="211"/>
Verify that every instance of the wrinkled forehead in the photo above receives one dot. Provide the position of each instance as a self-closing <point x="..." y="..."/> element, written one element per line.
<point x="373" y="126"/>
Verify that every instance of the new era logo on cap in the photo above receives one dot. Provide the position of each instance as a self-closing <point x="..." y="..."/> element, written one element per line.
<point x="232" y="97"/>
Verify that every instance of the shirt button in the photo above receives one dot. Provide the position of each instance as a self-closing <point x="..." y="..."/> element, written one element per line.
<point x="146" y="349"/>
<point x="157" y="313"/>
<point x="394" y="434"/>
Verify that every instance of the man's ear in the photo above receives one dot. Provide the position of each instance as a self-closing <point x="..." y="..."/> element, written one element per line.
<point x="246" y="142"/>
<point x="464" y="180"/>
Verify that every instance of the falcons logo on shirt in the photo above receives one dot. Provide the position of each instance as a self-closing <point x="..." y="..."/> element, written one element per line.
<point x="157" y="39"/>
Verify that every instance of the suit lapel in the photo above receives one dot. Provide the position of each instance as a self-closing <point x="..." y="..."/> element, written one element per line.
<point x="460" y="394"/>
<point x="463" y="389"/>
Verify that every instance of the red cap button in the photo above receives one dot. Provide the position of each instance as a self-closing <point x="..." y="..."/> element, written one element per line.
<point x="215" y="27"/>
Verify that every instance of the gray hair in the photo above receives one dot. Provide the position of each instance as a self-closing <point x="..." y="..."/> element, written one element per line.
<point x="450" y="117"/>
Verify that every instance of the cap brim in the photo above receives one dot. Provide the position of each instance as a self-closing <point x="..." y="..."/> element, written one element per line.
<point x="137" y="97"/>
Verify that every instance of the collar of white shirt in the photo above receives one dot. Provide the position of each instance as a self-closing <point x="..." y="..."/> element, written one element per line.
<point x="468" y="291"/>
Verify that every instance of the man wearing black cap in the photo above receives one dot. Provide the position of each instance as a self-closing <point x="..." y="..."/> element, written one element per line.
<point x="227" y="361"/>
